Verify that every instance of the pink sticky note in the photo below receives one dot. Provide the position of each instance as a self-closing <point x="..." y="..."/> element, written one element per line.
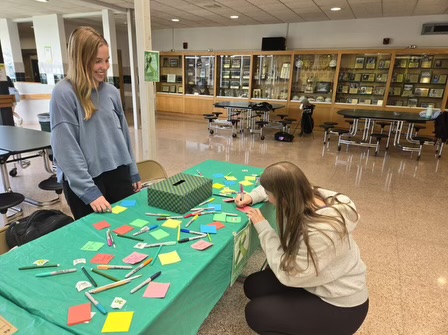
<point x="218" y="225"/>
<point x="79" y="314"/>
<point x="134" y="258"/>
<point x="156" y="290"/>
<point x="102" y="259"/>
<point x="201" y="245"/>
<point x="244" y="209"/>
<point x="101" y="225"/>
<point x="123" y="230"/>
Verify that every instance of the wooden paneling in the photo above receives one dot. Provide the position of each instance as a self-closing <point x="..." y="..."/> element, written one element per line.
<point x="170" y="103"/>
<point x="199" y="105"/>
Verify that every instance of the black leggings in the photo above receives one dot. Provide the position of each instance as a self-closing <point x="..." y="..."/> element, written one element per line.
<point x="115" y="185"/>
<point x="277" y="309"/>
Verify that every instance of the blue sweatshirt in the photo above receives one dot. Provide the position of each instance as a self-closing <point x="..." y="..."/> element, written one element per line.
<point x="83" y="150"/>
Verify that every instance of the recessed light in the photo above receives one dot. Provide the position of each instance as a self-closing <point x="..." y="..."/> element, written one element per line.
<point x="42" y="0"/>
<point x="335" y="9"/>
<point x="175" y="20"/>
<point x="234" y="16"/>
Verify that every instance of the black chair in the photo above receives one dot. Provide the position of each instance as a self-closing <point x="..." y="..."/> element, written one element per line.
<point x="327" y="128"/>
<point x="8" y="200"/>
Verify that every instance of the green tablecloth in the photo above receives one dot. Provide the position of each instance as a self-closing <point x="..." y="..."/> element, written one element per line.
<point x="197" y="282"/>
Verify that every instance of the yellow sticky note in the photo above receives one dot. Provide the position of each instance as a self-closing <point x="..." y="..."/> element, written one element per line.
<point x="246" y="183"/>
<point x="118" y="209"/>
<point x="218" y="186"/>
<point x="170" y="223"/>
<point x="169" y="258"/>
<point x="230" y="178"/>
<point x="118" y="322"/>
<point x="250" y="178"/>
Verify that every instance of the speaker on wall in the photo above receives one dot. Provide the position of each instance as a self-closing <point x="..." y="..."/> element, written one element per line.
<point x="273" y="43"/>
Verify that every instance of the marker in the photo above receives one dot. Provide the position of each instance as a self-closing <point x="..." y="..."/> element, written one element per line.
<point x="160" y="244"/>
<point x="188" y="231"/>
<point x="169" y="217"/>
<point x="178" y="232"/>
<point x="89" y="277"/>
<point x="157" y="254"/>
<point x="32" y="267"/>
<point x="155" y="214"/>
<point x="209" y="237"/>
<point x="147" y="281"/>
<point x="138" y="268"/>
<point x="222" y="195"/>
<point x="192" y="220"/>
<point x="54" y="273"/>
<point x="131" y="238"/>
<point x="206" y="201"/>
<point x="96" y="303"/>
<point x="192" y="238"/>
<point x="105" y="275"/>
<point x="241" y="191"/>
<point x="199" y="173"/>
<point x="141" y="231"/>
<point x="113" y="285"/>
<point x="109" y="267"/>
<point x="109" y="240"/>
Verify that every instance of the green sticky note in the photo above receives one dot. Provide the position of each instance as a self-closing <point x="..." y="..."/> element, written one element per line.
<point x="139" y="223"/>
<point x="159" y="234"/>
<point x="92" y="246"/>
<point x="233" y="219"/>
<point x="219" y="217"/>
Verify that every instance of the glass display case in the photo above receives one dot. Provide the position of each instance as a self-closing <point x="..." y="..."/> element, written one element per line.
<point x="363" y="78"/>
<point x="233" y="76"/>
<point x="170" y="74"/>
<point x="271" y="74"/>
<point x="313" y="77"/>
<point x="418" y="80"/>
<point x="199" y="74"/>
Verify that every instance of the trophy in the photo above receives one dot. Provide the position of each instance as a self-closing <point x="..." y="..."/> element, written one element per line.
<point x="309" y="88"/>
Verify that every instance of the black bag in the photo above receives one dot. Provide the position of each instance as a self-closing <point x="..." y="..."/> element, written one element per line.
<point x="39" y="223"/>
<point x="283" y="136"/>
<point x="307" y="119"/>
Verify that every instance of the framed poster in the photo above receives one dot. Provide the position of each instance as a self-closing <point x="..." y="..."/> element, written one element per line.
<point x="436" y="92"/>
<point x="425" y="77"/>
<point x="180" y="89"/>
<point x="371" y="62"/>
<point x="359" y="63"/>
<point x="421" y="91"/>
<point x="165" y="88"/>
<point x="384" y="64"/>
<point x="412" y="102"/>
<point x="323" y="87"/>
<point x="174" y="62"/>
<point x="426" y="62"/>
<point x="152" y="66"/>
<point x="172" y="88"/>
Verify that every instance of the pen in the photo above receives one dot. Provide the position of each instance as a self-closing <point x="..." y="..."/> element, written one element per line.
<point x="141" y="231"/>
<point x="206" y="201"/>
<point x="191" y="221"/>
<point x="192" y="238"/>
<point x="160" y="244"/>
<point x="241" y="191"/>
<point x="155" y="214"/>
<point x="89" y="277"/>
<point x="113" y="285"/>
<point x="138" y="268"/>
<point x="199" y="173"/>
<point x="131" y="238"/>
<point x="96" y="303"/>
<point x="188" y="231"/>
<point x="54" y="273"/>
<point x="109" y="267"/>
<point x="147" y="281"/>
<point x="39" y="267"/>
<point x="157" y="254"/>
<point x="169" y="217"/>
<point x="105" y="275"/>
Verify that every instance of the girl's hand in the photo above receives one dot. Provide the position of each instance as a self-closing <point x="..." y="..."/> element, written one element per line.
<point x="255" y="215"/>
<point x="137" y="186"/>
<point x="241" y="201"/>
<point x="101" y="205"/>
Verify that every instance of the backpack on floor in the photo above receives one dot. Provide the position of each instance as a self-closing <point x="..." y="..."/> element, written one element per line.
<point x="40" y="223"/>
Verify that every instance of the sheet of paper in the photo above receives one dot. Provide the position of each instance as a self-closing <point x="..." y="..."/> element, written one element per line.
<point x="159" y="234"/>
<point x="201" y="245"/>
<point x="218" y="225"/>
<point x="169" y="258"/>
<point x="208" y="229"/>
<point x="233" y="219"/>
<point x="128" y="203"/>
<point x="246" y="183"/>
<point x="123" y="230"/>
<point x="134" y="258"/>
<point x="139" y="223"/>
<point x="101" y="225"/>
<point x="102" y="259"/>
<point x="92" y="246"/>
<point x="79" y="314"/>
<point x="230" y="178"/>
<point x="118" y="322"/>
<point x="219" y="217"/>
<point x="118" y="209"/>
<point x="170" y="223"/>
<point x="218" y="186"/>
<point x="156" y="290"/>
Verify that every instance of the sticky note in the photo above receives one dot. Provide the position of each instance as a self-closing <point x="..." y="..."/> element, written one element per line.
<point x="156" y="290"/>
<point x="101" y="225"/>
<point x="128" y="203"/>
<point x="123" y="230"/>
<point x="250" y="178"/>
<point x="230" y="178"/>
<point x="159" y="234"/>
<point x="233" y="219"/>
<point x="134" y="258"/>
<point x="216" y="207"/>
<point x="102" y="259"/>
<point x="139" y="223"/>
<point x="92" y="246"/>
<point x="218" y="186"/>
<point x="201" y="245"/>
<point x="246" y="183"/>
<point x="79" y="314"/>
<point x="169" y="258"/>
<point x="118" y="322"/>
<point x="208" y="229"/>
<point x="218" y="175"/>
<point x="244" y="209"/>
<point x="170" y="223"/>
<point x="218" y="225"/>
<point x="229" y="183"/>
<point x="219" y="217"/>
<point x="118" y="209"/>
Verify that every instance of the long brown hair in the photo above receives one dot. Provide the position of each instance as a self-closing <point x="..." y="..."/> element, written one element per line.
<point x="83" y="46"/>
<point x="296" y="211"/>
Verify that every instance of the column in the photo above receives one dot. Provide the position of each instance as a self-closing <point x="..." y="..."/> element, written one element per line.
<point x="12" y="53"/>
<point x="110" y="34"/>
<point x="51" y="45"/>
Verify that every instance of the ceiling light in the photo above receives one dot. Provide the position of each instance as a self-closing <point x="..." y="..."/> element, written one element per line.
<point x="335" y="9"/>
<point x="175" y="20"/>
<point x="42" y="0"/>
<point x="234" y="16"/>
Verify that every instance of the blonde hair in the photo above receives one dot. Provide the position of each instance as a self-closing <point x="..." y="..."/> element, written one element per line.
<point x="83" y="46"/>
<point x="296" y="211"/>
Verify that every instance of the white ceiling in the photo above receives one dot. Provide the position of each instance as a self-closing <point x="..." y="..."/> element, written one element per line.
<point x="212" y="13"/>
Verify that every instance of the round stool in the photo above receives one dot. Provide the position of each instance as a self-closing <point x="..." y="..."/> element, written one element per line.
<point x="51" y="184"/>
<point x="8" y="200"/>
<point x="418" y="127"/>
<point x="378" y="137"/>
<point x="327" y="128"/>
<point x="329" y="123"/>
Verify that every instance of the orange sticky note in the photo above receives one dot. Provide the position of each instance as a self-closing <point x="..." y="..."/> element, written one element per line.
<point x="101" y="225"/>
<point x="123" y="230"/>
<point x="79" y="314"/>
<point x="218" y="225"/>
<point x="102" y="259"/>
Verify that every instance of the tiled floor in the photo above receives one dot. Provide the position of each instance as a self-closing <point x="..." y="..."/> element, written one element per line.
<point x="403" y="232"/>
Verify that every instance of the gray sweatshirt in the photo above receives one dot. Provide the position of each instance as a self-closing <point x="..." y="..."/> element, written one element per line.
<point x="342" y="273"/>
<point x="83" y="149"/>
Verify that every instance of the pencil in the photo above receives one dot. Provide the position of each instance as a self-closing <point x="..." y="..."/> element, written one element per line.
<point x="105" y="275"/>
<point x="32" y="267"/>
<point x="89" y="277"/>
<point x="113" y="285"/>
<point x="131" y="238"/>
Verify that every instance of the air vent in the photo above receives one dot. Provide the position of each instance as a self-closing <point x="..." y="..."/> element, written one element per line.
<point x="435" y="28"/>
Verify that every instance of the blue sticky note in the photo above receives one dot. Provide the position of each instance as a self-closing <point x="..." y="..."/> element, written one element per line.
<point x="216" y="207"/>
<point x="208" y="229"/>
<point x="229" y="183"/>
<point x="128" y="203"/>
<point x="218" y="175"/>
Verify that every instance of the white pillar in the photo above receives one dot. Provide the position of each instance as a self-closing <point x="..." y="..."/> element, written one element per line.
<point x="12" y="52"/>
<point x="133" y="67"/>
<point x="110" y="34"/>
<point x="146" y="89"/>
